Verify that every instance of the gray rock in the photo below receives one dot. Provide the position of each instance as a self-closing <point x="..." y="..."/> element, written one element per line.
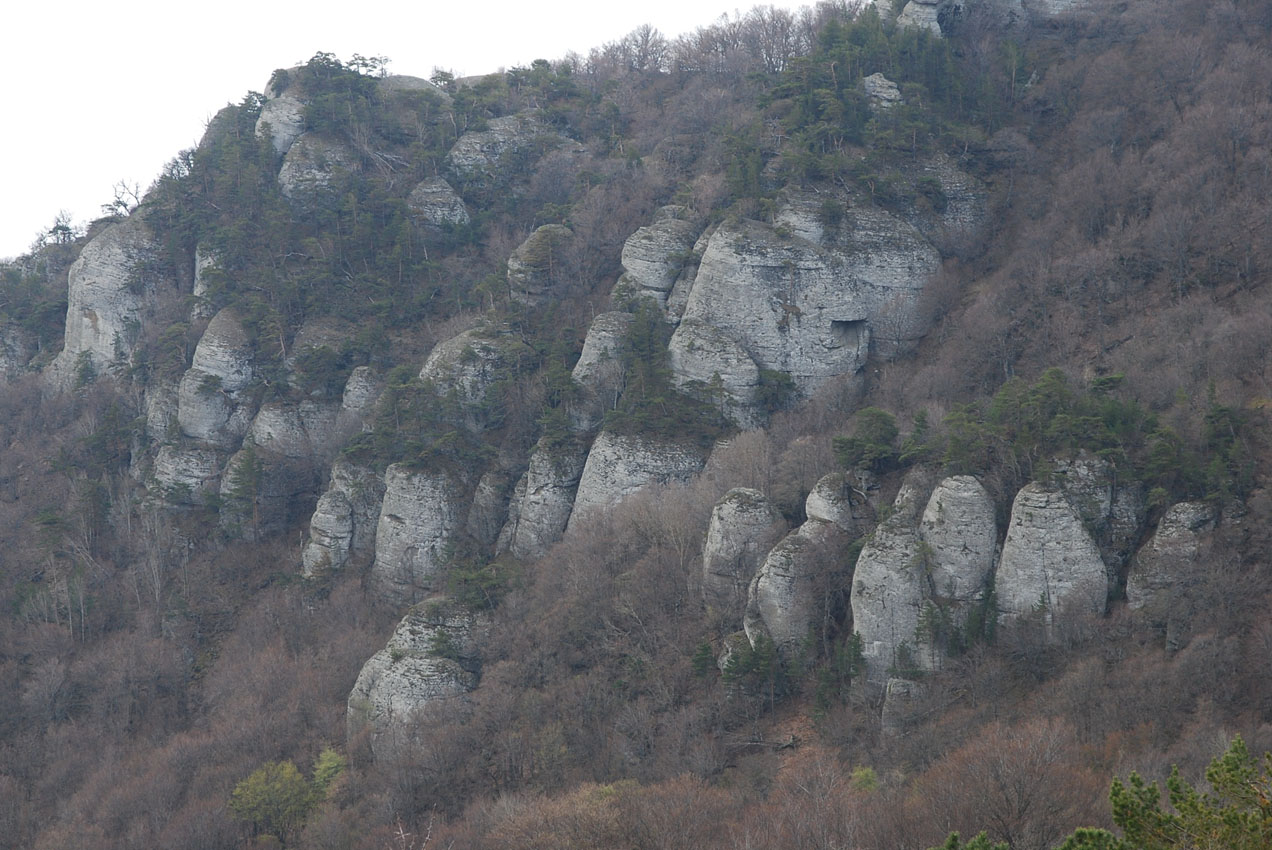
<point x="1049" y="560"/>
<point x="213" y="403"/>
<point x="479" y="157"/>
<point x="654" y="255"/>
<point x="344" y="522"/>
<point x="1168" y="564"/>
<point x="111" y="290"/>
<point x="543" y="499"/>
<point x="263" y="493"/>
<point x="882" y="92"/>
<point x="302" y="430"/>
<point x="489" y="510"/>
<point x="309" y="167"/>
<point x="17" y="347"/>
<point x="428" y="662"/>
<point x="742" y="527"/>
<point x="186" y="475"/>
<point x="900" y="698"/>
<point x="834" y="499"/>
<point x="1113" y="511"/>
<point x="619" y="466"/>
<point x="924" y="14"/>
<point x="283" y="119"/>
<point x="207" y="271"/>
<point x="162" y="400"/>
<point x="599" y="370"/>
<point x="709" y="365"/>
<point x="961" y="534"/>
<point x="535" y="267"/>
<point x="420" y="518"/>
<point x="435" y="203"/>
<point x="888" y="587"/>
<point x="786" y="601"/>
<point x="362" y="391"/>
<point x="467" y="366"/>
<point x="394" y="83"/>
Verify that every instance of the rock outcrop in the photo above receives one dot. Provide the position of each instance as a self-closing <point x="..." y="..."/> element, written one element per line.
<point x="214" y="404"/>
<point x="435" y="203"/>
<point x="466" y="367"/>
<point x="430" y="660"/>
<point x="834" y="498"/>
<point x="742" y="527"/>
<point x="709" y="365"/>
<point x="599" y="369"/>
<point x="17" y="347"/>
<point x="479" y="158"/>
<point x="959" y="529"/>
<point x="1112" y="510"/>
<point x="786" y="601"/>
<point x="618" y="466"/>
<point x="543" y="499"/>
<point x="111" y="288"/>
<point x="654" y="255"/>
<point x="309" y="167"/>
<point x="282" y="118"/>
<point x="344" y="522"/>
<point x="927" y="14"/>
<point x="186" y="475"/>
<point x="420" y="518"/>
<point x="535" y="267"/>
<point x="882" y="92"/>
<point x="1169" y="566"/>
<point x="1050" y="563"/>
<point x="299" y="430"/>
<point x="262" y="493"/>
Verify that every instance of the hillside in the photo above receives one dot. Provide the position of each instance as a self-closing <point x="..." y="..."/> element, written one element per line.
<point x="830" y="429"/>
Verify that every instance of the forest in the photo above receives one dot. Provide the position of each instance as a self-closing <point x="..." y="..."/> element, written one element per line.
<point x="169" y="678"/>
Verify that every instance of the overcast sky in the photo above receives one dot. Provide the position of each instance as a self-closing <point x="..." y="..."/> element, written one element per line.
<point x="98" y="92"/>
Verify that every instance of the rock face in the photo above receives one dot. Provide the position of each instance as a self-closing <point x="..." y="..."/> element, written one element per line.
<point x="709" y="365"/>
<point x="187" y="475"/>
<point x="478" y="158"/>
<point x="653" y="256"/>
<point x="111" y="287"/>
<point x="435" y="203"/>
<point x="309" y="167"/>
<point x="618" y="466"/>
<point x="283" y="118"/>
<point x="207" y="273"/>
<point x="959" y="529"/>
<point x="467" y="366"/>
<point x="1111" y="510"/>
<point x="262" y="492"/>
<point x="420" y="516"/>
<point x="344" y="522"/>
<point x="834" y="499"/>
<point x="888" y="589"/>
<point x="1049" y="561"/>
<point x="430" y="660"/>
<point x="17" y="347"/>
<point x="213" y="402"/>
<point x="599" y="370"/>
<point x="534" y="268"/>
<point x="882" y="92"/>
<point x="1166" y="566"/>
<point x="785" y="601"/>
<point x="743" y="525"/>
<point x="299" y="430"/>
<point x="542" y="501"/>
<point x="926" y="14"/>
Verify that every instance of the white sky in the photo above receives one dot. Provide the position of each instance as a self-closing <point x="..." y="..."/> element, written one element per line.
<point x="96" y="92"/>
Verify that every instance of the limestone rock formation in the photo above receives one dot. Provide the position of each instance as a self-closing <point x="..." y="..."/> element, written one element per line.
<point x="709" y="365"/>
<point x="1166" y="566"/>
<point x="17" y="347"/>
<point x="543" y="499"/>
<point x="162" y="401"/>
<point x="618" y="466"/>
<point x="207" y="274"/>
<point x="882" y="92"/>
<point x="535" y="268"/>
<point x="1112" y="510"/>
<point x="283" y="118"/>
<point x="362" y="391"/>
<point x="959" y="529"/>
<point x="431" y="659"/>
<point x="1049" y="562"/>
<point x="262" y="493"/>
<point x="834" y="498"/>
<point x="213" y="399"/>
<point x="479" y="157"/>
<point x="925" y="14"/>
<point x="186" y="475"/>
<point x="654" y="255"/>
<point x="309" y="167"/>
<point x="302" y="430"/>
<point x="786" y="599"/>
<point x="742" y="527"/>
<point x="599" y="369"/>
<point x="420" y="518"/>
<point x="435" y="203"/>
<point x="111" y="287"/>
<point x="467" y="366"/>
<point x="344" y="522"/>
<point x="888" y="589"/>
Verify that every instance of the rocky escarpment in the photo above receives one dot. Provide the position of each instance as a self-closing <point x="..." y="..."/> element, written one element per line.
<point x="742" y="527"/>
<point x="184" y="476"/>
<point x="618" y="466"/>
<point x="311" y="165"/>
<point x="111" y="290"/>
<point x="599" y="369"/>
<point x="1050" y="563"/>
<point x="480" y="158"/>
<point x="535" y="268"/>
<point x="214" y="402"/>
<point x="344" y="522"/>
<point x="466" y="367"/>
<point x="1169" y="566"/>
<point x="959" y="530"/>
<point x="435" y="203"/>
<point x="654" y="256"/>
<point x="543" y="499"/>
<point x="421" y="516"/>
<point x="282" y="119"/>
<point x="430" y="660"/>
